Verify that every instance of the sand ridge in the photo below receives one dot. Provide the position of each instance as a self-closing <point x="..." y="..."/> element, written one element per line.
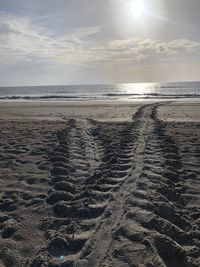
<point x="102" y="193"/>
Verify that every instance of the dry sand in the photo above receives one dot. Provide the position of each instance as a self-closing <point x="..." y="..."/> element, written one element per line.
<point x="100" y="184"/>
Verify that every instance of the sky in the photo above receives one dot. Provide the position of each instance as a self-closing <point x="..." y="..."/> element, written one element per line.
<point x="52" y="42"/>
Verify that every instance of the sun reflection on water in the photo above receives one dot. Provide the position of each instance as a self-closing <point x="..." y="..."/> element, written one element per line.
<point x="137" y="89"/>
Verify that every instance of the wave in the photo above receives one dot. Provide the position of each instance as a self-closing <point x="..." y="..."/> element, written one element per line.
<point x="109" y="96"/>
<point x="154" y="94"/>
<point x="37" y="97"/>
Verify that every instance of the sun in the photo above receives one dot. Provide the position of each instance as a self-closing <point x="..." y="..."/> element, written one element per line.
<point x="138" y="8"/>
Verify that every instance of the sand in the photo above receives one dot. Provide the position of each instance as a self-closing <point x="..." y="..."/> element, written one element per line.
<point x="100" y="184"/>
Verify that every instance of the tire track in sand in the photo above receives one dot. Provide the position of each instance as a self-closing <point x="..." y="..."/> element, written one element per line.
<point x="103" y="238"/>
<point x="74" y="158"/>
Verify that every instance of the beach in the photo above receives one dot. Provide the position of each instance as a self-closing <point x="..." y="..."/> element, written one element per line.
<point x="100" y="183"/>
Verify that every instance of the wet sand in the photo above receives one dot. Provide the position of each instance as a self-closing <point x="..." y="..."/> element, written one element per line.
<point x="100" y="184"/>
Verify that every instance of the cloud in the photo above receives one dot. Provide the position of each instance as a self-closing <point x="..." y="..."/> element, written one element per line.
<point x="144" y="48"/>
<point x="24" y="42"/>
<point x="20" y="39"/>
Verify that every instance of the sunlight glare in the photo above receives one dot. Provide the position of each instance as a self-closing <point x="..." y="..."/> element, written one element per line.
<point x="138" y="8"/>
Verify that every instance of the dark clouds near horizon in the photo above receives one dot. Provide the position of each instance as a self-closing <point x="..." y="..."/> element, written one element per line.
<point x="93" y="41"/>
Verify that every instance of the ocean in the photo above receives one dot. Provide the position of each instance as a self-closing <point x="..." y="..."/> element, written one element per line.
<point x="102" y="92"/>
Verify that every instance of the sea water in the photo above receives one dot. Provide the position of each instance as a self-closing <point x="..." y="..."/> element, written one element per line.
<point x="102" y="92"/>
